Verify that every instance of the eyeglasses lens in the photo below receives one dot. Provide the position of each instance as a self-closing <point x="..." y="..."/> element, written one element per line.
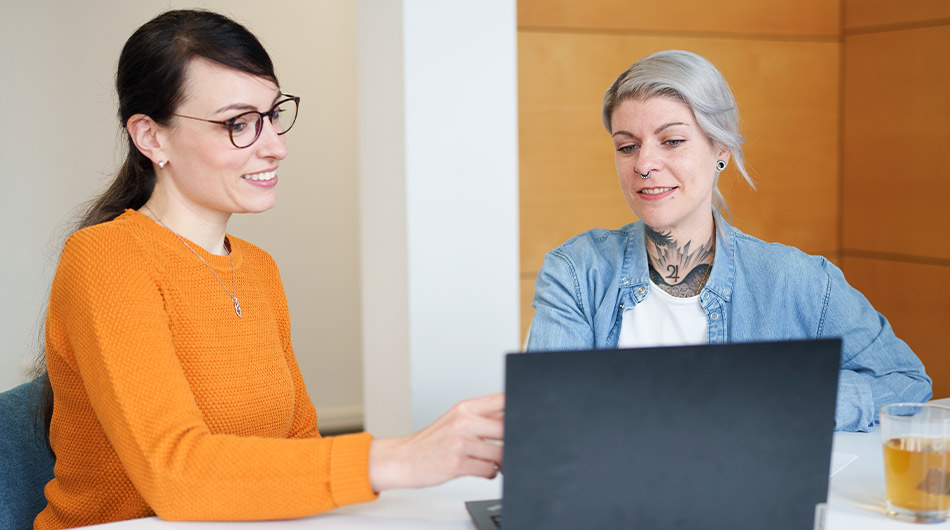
<point x="246" y="128"/>
<point x="284" y="116"/>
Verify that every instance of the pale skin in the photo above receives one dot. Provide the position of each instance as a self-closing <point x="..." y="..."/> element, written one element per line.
<point x="659" y="136"/>
<point x="457" y="444"/>
<point x="206" y="179"/>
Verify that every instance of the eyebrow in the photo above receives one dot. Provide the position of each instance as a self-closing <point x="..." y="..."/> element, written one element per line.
<point x="659" y="129"/>
<point x="245" y="106"/>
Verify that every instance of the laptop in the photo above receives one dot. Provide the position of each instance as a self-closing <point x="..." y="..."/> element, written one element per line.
<point x="708" y="436"/>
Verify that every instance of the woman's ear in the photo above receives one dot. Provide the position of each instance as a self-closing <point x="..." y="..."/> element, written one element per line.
<point x="147" y="137"/>
<point x="724" y="154"/>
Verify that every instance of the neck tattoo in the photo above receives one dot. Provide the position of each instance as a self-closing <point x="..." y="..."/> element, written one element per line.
<point x="232" y="294"/>
<point x="705" y="277"/>
<point x="667" y="257"/>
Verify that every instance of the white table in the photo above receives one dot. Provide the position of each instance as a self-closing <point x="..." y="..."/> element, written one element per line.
<point x="439" y="508"/>
<point x="855" y="501"/>
<point x="856" y="493"/>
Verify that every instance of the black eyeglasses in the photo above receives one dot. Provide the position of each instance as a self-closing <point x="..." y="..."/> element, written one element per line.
<point x="244" y="129"/>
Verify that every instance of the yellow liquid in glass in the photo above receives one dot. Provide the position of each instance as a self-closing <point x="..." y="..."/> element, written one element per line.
<point x="917" y="473"/>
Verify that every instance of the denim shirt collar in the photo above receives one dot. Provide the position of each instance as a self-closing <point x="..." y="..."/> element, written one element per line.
<point x="635" y="272"/>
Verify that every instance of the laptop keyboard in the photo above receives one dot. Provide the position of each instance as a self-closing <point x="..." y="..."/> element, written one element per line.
<point x="485" y="514"/>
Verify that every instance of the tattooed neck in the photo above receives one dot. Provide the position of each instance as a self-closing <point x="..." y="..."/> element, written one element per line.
<point x="678" y="269"/>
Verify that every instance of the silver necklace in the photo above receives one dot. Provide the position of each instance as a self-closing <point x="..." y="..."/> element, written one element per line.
<point x="233" y="292"/>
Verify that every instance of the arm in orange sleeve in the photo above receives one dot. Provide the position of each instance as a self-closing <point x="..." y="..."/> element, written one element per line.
<point x="121" y="345"/>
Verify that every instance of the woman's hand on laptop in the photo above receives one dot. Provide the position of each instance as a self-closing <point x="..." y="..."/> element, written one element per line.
<point x="463" y="441"/>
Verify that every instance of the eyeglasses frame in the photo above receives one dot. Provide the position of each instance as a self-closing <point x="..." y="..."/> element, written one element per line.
<point x="229" y="123"/>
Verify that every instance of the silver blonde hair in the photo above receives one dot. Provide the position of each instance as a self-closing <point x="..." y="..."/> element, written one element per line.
<point x="697" y="83"/>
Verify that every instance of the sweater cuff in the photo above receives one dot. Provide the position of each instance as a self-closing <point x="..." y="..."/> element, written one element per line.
<point x="349" y="469"/>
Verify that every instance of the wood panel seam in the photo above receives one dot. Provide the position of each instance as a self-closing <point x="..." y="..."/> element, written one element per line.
<point x="842" y="56"/>
<point x="899" y="26"/>
<point x="725" y="35"/>
<point x="901" y="258"/>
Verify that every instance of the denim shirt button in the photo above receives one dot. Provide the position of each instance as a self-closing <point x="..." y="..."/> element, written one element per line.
<point x="640" y="290"/>
<point x="624" y="281"/>
<point x="714" y="316"/>
<point x="726" y="292"/>
<point x="621" y="307"/>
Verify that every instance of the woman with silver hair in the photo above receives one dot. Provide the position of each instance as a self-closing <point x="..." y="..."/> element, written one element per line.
<point x="682" y="274"/>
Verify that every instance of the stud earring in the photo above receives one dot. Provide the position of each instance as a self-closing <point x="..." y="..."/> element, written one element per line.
<point x="721" y="165"/>
<point x="161" y="164"/>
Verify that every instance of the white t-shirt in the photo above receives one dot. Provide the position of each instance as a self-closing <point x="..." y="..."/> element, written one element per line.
<point x="662" y="319"/>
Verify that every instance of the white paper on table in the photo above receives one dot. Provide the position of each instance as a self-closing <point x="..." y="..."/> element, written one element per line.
<point x="840" y="461"/>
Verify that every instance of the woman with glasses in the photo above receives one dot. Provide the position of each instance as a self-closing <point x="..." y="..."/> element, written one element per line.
<point x="174" y="387"/>
<point x="681" y="274"/>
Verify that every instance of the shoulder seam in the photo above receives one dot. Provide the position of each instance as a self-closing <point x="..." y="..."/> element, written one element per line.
<point x="570" y="264"/>
<point x="825" y="299"/>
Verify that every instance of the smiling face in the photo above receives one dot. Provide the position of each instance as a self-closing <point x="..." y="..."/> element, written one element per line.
<point x="660" y="136"/>
<point x="207" y="178"/>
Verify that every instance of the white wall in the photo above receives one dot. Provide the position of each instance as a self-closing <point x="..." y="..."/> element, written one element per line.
<point x="439" y="204"/>
<point x="59" y="146"/>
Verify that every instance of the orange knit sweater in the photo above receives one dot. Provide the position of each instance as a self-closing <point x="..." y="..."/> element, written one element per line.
<point x="167" y="403"/>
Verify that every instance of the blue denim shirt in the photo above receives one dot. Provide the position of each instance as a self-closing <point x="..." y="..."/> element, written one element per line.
<point x="757" y="291"/>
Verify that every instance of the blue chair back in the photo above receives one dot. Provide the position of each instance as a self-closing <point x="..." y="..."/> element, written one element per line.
<point x="26" y="464"/>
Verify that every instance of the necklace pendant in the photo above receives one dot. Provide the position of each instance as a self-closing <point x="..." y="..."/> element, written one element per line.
<point x="237" y="306"/>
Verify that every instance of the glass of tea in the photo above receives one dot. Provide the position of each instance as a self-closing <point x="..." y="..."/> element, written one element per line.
<point x="916" y="439"/>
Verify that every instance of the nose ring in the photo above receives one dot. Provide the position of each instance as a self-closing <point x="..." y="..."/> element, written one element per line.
<point x="643" y="175"/>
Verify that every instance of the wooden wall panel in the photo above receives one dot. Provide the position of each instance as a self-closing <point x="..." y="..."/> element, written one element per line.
<point x="568" y="180"/>
<point x="783" y="17"/>
<point x="917" y="309"/>
<point x="895" y="167"/>
<point x="860" y="14"/>
<point x="896" y="129"/>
